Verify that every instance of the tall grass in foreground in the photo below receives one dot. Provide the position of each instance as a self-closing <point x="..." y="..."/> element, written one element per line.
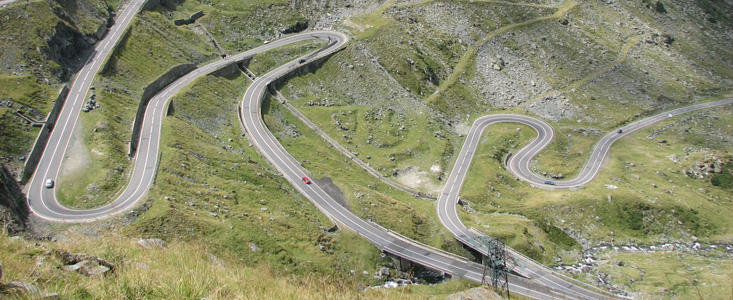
<point x="181" y="271"/>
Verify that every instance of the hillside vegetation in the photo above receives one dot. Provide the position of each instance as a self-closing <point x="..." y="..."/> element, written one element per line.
<point x="179" y="270"/>
<point x="401" y="96"/>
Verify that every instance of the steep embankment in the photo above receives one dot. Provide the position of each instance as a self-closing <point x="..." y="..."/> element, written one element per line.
<point x="43" y="44"/>
<point x="594" y="67"/>
<point x="13" y="209"/>
<point x="176" y="270"/>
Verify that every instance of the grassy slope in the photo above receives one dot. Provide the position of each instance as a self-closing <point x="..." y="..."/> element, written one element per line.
<point x="106" y="131"/>
<point x="638" y="212"/>
<point x="17" y="135"/>
<point x="241" y="25"/>
<point x="168" y="218"/>
<point x="366" y="196"/>
<point x="653" y="79"/>
<point x="671" y="275"/>
<point x="351" y="114"/>
<point x="264" y="62"/>
<point x="29" y="75"/>
<point x="654" y="200"/>
<point x="182" y="271"/>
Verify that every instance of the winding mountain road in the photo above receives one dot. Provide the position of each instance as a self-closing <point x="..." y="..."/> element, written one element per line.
<point x="519" y="164"/>
<point x="384" y="239"/>
<point x="42" y="201"/>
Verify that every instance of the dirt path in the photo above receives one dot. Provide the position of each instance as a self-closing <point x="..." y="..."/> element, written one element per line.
<point x="77" y="157"/>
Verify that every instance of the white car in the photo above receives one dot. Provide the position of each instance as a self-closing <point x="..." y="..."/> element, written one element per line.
<point x="49" y="183"/>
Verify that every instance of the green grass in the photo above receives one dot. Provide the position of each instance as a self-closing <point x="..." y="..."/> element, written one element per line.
<point x="263" y="62"/>
<point x="350" y="113"/>
<point x="181" y="271"/>
<point x="365" y="195"/>
<point x="242" y="25"/>
<point x="654" y="201"/>
<point x="317" y="157"/>
<point x="17" y="135"/>
<point x="725" y="178"/>
<point x="492" y="192"/>
<point x="217" y="189"/>
<point x="670" y="275"/>
<point x="394" y="142"/>
<point x="30" y="76"/>
<point x="106" y="131"/>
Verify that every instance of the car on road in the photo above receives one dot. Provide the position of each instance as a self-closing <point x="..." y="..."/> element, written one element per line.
<point x="548" y="182"/>
<point x="49" y="183"/>
<point x="306" y="180"/>
<point x="302" y="60"/>
<point x="620" y="131"/>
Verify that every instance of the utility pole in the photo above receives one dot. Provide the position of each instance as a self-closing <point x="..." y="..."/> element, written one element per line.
<point x="495" y="264"/>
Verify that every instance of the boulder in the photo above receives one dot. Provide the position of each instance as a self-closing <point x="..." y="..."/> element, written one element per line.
<point x="76" y="258"/>
<point x="152" y="243"/>
<point x="20" y="288"/>
<point x="26" y="290"/>
<point x="84" y="264"/>
<point x="88" y="267"/>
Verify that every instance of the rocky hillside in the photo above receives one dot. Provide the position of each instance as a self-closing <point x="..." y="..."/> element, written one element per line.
<point x="401" y="96"/>
<point x="43" y="45"/>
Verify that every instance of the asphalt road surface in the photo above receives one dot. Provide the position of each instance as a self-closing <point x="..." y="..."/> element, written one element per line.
<point x="43" y="203"/>
<point x="519" y="165"/>
<point x="387" y="241"/>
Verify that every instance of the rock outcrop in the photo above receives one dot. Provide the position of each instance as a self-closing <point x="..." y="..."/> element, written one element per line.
<point x="13" y="209"/>
<point x="152" y="243"/>
<point x="84" y="264"/>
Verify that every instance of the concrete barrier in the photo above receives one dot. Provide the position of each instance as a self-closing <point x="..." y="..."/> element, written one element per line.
<point x="37" y="150"/>
<point x="148" y="92"/>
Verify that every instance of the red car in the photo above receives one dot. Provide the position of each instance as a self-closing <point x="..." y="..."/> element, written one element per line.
<point x="306" y="180"/>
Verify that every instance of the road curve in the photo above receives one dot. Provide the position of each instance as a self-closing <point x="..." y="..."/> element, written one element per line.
<point x="519" y="165"/>
<point x="42" y="200"/>
<point x="43" y="203"/>
<point x="384" y="239"/>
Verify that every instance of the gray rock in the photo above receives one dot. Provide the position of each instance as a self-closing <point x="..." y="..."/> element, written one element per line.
<point x="215" y="260"/>
<point x="19" y="288"/>
<point x="85" y="264"/>
<point x="152" y="243"/>
<point x="89" y="267"/>
<point x="253" y="247"/>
